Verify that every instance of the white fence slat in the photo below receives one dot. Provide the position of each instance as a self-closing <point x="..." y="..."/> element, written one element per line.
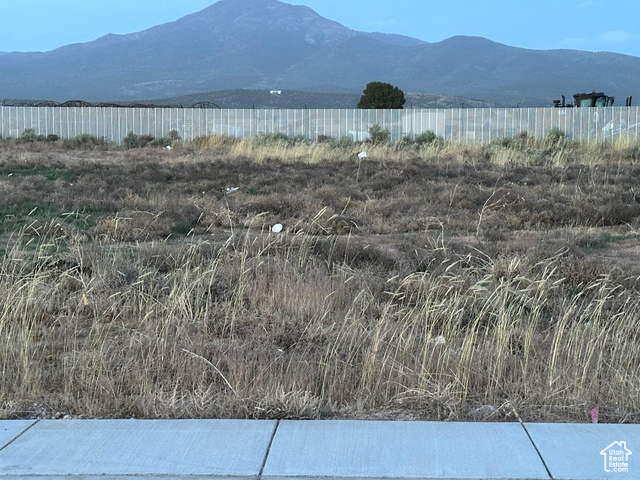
<point x="465" y="125"/>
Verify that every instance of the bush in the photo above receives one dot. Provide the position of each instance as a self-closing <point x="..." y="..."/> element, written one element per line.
<point x="554" y="136"/>
<point x="136" y="141"/>
<point x="88" y="140"/>
<point x="523" y="141"/>
<point x="379" y="135"/>
<point x="29" y="136"/>
<point x="429" y="138"/>
<point x="505" y="142"/>
<point x="406" y="143"/>
<point x="130" y="141"/>
<point x="424" y="139"/>
<point x="160" y="142"/>
<point x="144" y="140"/>
<point x="632" y="153"/>
<point x="84" y="140"/>
<point x="282" y="139"/>
<point x="342" y="142"/>
<point x="173" y="136"/>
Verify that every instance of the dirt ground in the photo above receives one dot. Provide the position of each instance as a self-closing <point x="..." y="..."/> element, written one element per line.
<point x="150" y="283"/>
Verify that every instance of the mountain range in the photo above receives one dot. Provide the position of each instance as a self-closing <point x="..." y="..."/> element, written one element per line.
<point x="269" y="44"/>
<point x="246" y="98"/>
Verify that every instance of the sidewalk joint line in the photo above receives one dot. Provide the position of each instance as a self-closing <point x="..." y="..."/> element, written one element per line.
<point x="266" y="455"/>
<point x="18" y="435"/>
<point x="537" y="451"/>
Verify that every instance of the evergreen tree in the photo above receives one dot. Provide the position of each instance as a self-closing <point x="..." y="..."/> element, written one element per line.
<point x="381" y="95"/>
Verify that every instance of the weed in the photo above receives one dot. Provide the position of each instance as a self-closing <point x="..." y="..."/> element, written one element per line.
<point x="133" y="140"/>
<point x="378" y="135"/>
<point x="173" y="136"/>
<point x="417" y="283"/>
<point x="342" y="142"/>
<point x="28" y="135"/>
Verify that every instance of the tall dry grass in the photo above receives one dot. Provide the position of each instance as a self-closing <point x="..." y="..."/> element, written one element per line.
<point x="522" y="150"/>
<point x="286" y="326"/>
<point x="422" y="282"/>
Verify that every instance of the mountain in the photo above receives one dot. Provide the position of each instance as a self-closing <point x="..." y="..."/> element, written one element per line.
<point x="268" y="44"/>
<point x="245" y="98"/>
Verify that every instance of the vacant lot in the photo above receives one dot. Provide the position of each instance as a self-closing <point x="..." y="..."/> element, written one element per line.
<point x="422" y="282"/>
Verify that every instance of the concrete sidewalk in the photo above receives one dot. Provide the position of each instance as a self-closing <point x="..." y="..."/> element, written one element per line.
<point x="288" y="450"/>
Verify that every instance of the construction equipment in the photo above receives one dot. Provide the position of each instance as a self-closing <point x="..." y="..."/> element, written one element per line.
<point x="593" y="99"/>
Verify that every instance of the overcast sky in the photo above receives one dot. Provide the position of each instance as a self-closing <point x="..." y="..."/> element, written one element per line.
<point x="596" y="25"/>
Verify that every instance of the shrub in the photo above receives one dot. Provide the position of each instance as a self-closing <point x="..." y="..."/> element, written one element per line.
<point x="282" y="139"/>
<point x="632" y="153"/>
<point x="379" y="135"/>
<point x="424" y="139"/>
<point x="86" y="139"/>
<point x="429" y="138"/>
<point x="136" y="141"/>
<point x="160" y="142"/>
<point x="505" y="142"/>
<point x="173" y="136"/>
<point x="522" y="140"/>
<point x="342" y="142"/>
<point x="28" y="136"/>
<point x="554" y="136"/>
<point x="130" y="141"/>
<point x="406" y="142"/>
<point x="144" y="140"/>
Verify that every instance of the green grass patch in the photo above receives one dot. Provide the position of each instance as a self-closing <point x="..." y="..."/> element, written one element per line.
<point x="39" y="248"/>
<point x="591" y="242"/>
<point x="182" y="228"/>
<point x="15" y="217"/>
<point x="48" y="173"/>
<point x="82" y="219"/>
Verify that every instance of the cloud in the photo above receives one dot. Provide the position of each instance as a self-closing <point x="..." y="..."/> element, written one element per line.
<point x="616" y="37"/>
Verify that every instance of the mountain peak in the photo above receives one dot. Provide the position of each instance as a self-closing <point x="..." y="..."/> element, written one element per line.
<point x="270" y="44"/>
<point x="243" y="20"/>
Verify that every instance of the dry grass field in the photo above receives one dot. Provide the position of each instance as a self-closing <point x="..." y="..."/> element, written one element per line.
<point x="426" y="281"/>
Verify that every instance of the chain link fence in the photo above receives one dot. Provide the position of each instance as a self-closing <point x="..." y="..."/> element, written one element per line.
<point x="465" y="125"/>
